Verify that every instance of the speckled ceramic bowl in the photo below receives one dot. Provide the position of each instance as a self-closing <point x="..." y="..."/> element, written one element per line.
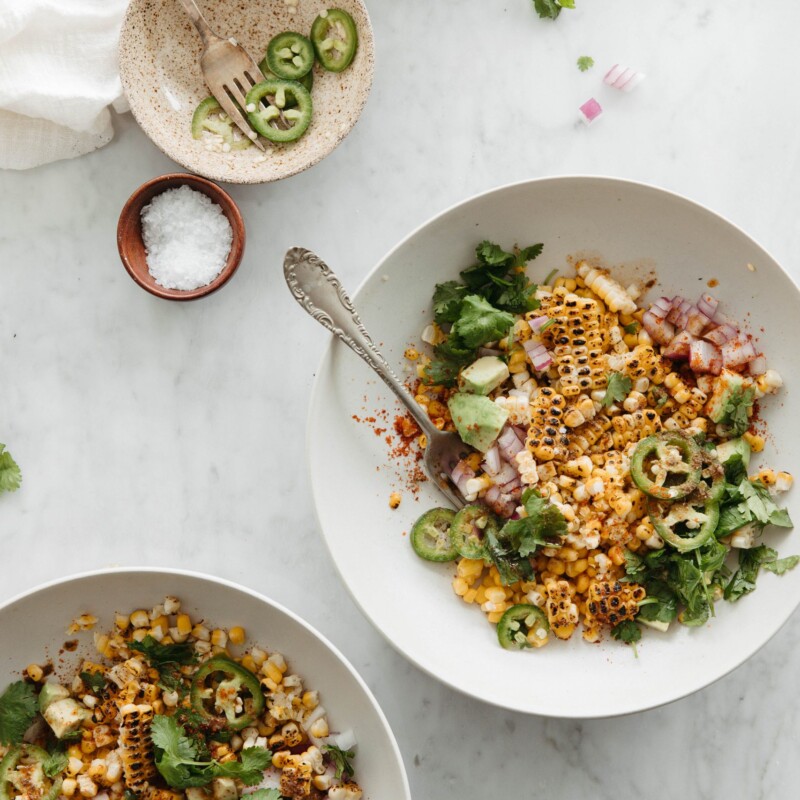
<point x="159" y="59"/>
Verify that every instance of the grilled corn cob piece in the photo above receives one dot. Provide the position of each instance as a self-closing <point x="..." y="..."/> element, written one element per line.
<point x="138" y="765"/>
<point x="562" y="613"/>
<point x="546" y="440"/>
<point x="612" y="602"/>
<point x="606" y="288"/>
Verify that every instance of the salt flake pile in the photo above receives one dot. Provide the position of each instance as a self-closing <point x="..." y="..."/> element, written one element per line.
<point x="187" y="238"/>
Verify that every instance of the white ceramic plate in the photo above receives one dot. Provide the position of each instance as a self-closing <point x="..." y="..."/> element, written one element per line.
<point x="159" y="54"/>
<point x="33" y="629"/>
<point x="634" y="229"/>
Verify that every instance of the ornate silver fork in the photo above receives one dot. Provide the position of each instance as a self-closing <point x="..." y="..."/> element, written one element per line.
<point x="318" y="290"/>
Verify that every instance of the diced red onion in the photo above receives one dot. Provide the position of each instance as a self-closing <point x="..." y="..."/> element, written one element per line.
<point x="679" y="313"/>
<point x="461" y="474"/>
<point x="721" y="334"/>
<point x="696" y="321"/>
<point x="536" y="323"/>
<point x="491" y="461"/>
<point x="678" y="348"/>
<point x="509" y="444"/>
<point x="489" y="351"/>
<point x="590" y="111"/>
<point x="511" y="485"/>
<point x="758" y="366"/>
<point x="708" y="305"/>
<point x="346" y="740"/>
<point x="539" y="355"/>
<point x="623" y="78"/>
<point x="492" y="494"/>
<point x="661" y="307"/>
<point x="507" y="474"/>
<point x="659" y="329"/>
<point x="705" y="357"/>
<point x="738" y="351"/>
<point x="521" y="431"/>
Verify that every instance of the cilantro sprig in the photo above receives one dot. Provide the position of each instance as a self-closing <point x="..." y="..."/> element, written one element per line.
<point x="341" y="760"/>
<point x="167" y="659"/>
<point x="480" y="307"/>
<point x="618" y="388"/>
<point x="18" y="707"/>
<point x="736" y="412"/>
<point x="177" y="759"/>
<point x="585" y="63"/>
<point x="550" y="9"/>
<point x="10" y="473"/>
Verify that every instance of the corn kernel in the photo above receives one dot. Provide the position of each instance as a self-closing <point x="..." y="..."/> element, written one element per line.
<point x="219" y="638"/>
<point x="495" y="616"/>
<point x="755" y="441"/>
<point x="460" y="586"/>
<point x="556" y="566"/>
<point x="616" y="555"/>
<point x="411" y="353"/>
<point x="272" y="672"/>
<point x="236" y="635"/>
<point x="311" y="700"/>
<point x="140" y="618"/>
<point x="248" y="663"/>
<point x="68" y="787"/>
<point x="87" y="746"/>
<point x="319" y="728"/>
<point x="34" y="672"/>
<point x="582" y="583"/>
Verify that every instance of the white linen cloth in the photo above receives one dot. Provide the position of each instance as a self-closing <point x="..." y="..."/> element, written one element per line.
<point x="58" y="74"/>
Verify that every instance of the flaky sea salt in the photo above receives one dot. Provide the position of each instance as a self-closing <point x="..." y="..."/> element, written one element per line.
<point x="187" y="238"/>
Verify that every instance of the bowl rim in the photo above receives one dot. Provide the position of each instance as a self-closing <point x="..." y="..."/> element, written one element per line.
<point x="229" y="208"/>
<point x="202" y="576"/>
<point x="318" y="156"/>
<point x="316" y="390"/>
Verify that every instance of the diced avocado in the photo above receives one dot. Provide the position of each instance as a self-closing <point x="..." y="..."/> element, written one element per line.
<point x="224" y="789"/>
<point x="735" y="447"/>
<point x="656" y="624"/>
<point x="727" y="383"/>
<point x="477" y="419"/>
<point x="485" y="375"/>
<point x="64" y="716"/>
<point x="50" y="693"/>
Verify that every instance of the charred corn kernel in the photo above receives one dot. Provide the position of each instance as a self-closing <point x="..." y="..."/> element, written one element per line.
<point x="219" y="638"/>
<point x="631" y="339"/>
<point x="767" y="477"/>
<point x="201" y="632"/>
<point x="634" y="544"/>
<point x="158" y="706"/>
<point x="556" y="566"/>
<point x="422" y="441"/>
<point x="577" y="567"/>
<point x="438" y="423"/>
<point x="755" y="441"/>
<point x="322" y="782"/>
<point x="122" y="621"/>
<point x="460" y="586"/>
<point x="616" y="555"/>
<point x="88" y="746"/>
<point x="272" y="672"/>
<point x="236" y="635"/>
<point x="422" y="399"/>
<point x="140" y="618"/>
<point x="97" y="768"/>
<point x="34" y="672"/>
<point x="280" y="758"/>
<point x="411" y="353"/>
<point x="183" y="624"/>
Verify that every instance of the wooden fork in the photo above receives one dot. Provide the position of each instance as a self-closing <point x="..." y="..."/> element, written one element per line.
<point x="228" y="70"/>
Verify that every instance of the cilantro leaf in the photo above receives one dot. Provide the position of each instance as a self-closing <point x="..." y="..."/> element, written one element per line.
<point x="161" y="654"/>
<point x="633" y="328"/>
<point x="95" y="681"/>
<point x="450" y="357"/>
<point x="735" y="413"/>
<point x="55" y="763"/>
<point x="18" y="707"/>
<point x="547" y="9"/>
<point x="447" y="299"/>
<point x="735" y="469"/>
<point x="619" y="386"/>
<point x="543" y="524"/>
<point x="478" y="323"/>
<point x="627" y="631"/>
<point x="526" y="254"/>
<point x="781" y="565"/>
<point x="250" y="770"/>
<point x="263" y="794"/>
<point x="177" y="759"/>
<point x="584" y="63"/>
<point x="10" y="474"/>
<point x="341" y="760"/>
<point x="661" y="603"/>
<point x="510" y="565"/>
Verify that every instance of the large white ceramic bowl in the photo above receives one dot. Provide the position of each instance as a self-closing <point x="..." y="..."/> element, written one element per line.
<point x="634" y="229"/>
<point x="33" y="630"/>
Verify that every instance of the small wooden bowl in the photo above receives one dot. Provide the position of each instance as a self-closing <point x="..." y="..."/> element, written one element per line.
<point x="131" y="246"/>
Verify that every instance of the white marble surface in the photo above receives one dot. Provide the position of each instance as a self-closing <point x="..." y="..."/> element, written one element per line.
<point x="165" y="434"/>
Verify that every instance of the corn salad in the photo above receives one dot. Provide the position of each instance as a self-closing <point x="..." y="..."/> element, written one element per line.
<point x="161" y="677"/>
<point x="580" y="383"/>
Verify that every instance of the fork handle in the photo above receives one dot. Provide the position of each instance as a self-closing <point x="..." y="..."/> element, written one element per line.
<point x="319" y="291"/>
<point x="203" y="28"/>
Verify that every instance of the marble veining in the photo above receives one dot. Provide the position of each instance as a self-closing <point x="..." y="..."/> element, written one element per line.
<point x="164" y="434"/>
